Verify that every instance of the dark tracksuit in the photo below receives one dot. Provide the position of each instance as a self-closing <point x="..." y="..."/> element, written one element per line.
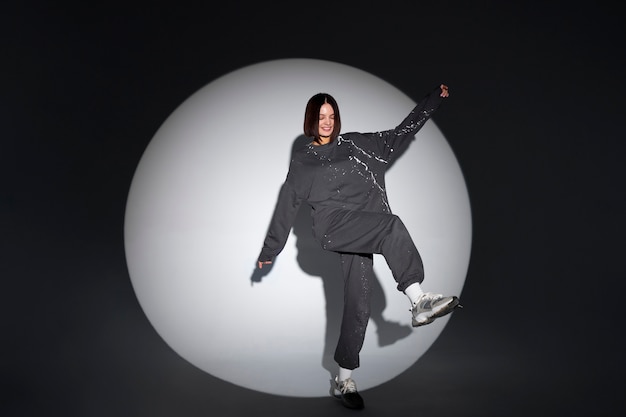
<point x="344" y="183"/>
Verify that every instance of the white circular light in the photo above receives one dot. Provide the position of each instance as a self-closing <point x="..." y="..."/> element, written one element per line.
<point x="200" y="203"/>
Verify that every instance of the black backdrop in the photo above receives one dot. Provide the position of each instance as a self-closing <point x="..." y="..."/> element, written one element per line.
<point x="536" y="121"/>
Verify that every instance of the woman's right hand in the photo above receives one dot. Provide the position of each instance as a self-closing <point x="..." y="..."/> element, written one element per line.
<point x="264" y="263"/>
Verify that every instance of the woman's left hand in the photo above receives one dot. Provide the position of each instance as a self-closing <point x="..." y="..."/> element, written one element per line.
<point x="444" y="90"/>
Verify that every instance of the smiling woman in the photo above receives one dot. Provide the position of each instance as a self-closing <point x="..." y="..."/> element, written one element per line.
<point x="198" y="210"/>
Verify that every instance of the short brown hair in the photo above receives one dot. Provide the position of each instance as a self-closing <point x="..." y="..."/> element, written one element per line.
<point x="312" y="116"/>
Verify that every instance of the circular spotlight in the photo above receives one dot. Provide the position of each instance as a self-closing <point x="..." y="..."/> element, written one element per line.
<point x="200" y="203"/>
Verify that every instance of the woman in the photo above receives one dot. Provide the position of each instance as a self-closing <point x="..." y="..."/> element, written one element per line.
<point x="342" y="178"/>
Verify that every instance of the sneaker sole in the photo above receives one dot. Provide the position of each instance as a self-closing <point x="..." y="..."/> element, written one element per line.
<point x="354" y="406"/>
<point x="444" y="310"/>
<point x="337" y="396"/>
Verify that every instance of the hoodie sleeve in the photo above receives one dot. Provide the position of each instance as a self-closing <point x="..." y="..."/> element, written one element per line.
<point x="287" y="205"/>
<point x="392" y="142"/>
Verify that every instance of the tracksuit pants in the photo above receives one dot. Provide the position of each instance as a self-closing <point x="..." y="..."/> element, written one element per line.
<point x="356" y="236"/>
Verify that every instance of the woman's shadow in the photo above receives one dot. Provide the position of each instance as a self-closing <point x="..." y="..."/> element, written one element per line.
<point x="315" y="261"/>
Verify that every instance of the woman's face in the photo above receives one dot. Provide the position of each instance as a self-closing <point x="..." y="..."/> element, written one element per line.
<point x="326" y="121"/>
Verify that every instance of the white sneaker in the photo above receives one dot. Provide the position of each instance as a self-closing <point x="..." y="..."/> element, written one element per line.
<point x="347" y="393"/>
<point x="431" y="306"/>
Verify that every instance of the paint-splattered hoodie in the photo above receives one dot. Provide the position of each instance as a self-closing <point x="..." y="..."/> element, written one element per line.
<point x="346" y="174"/>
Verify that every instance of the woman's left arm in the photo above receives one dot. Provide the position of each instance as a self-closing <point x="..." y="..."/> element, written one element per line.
<point x="405" y="131"/>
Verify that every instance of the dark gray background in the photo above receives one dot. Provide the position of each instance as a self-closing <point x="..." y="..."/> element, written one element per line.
<point x="536" y="121"/>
